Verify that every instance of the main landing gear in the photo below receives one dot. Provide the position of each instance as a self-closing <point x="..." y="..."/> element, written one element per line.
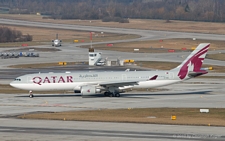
<point x="112" y="94"/>
<point x="31" y="94"/>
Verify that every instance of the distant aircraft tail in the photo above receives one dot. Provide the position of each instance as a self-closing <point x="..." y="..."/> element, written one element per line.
<point x="191" y="66"/>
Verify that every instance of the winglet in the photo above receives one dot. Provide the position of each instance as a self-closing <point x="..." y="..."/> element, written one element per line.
<point x="154" y="77"/>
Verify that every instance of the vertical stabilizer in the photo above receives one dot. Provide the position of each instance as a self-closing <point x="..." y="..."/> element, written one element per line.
<point x="193" y="62"/>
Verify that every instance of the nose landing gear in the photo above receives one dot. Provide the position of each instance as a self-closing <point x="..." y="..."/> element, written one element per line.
<point x="31" y="94"/>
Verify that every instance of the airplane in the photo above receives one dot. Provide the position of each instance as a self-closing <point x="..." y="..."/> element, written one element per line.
<point x="113" y="83"/>
<point x="56" y="42"/>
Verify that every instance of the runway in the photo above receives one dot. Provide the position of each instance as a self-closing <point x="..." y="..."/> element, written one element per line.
<point x="95" y="131"/>
<point x="200" y="93"/>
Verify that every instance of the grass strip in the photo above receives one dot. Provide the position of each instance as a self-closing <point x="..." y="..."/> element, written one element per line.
<point x="184" y="116"/>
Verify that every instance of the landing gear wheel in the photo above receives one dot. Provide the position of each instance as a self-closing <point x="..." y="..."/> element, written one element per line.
<point x="106" y="94"/>
<point x="111" y="94"/>
<point x="117" y="95"/>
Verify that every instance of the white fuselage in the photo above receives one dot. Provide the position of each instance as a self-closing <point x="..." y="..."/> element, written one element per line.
<point x="73" y="81"/>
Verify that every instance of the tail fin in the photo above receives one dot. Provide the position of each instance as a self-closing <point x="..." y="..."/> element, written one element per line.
<point x="193" y="62"/>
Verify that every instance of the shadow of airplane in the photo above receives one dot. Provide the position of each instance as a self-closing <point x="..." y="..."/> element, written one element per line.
<point x="133" y="95"/>
<point x="171" y="93"/>
<point x="50" y="95"/>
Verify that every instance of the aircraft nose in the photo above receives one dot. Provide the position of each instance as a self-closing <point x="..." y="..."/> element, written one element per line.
<point x="12" y="84"/>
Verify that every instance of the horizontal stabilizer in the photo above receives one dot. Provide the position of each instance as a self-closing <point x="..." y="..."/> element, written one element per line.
<point x="195" y="74"/>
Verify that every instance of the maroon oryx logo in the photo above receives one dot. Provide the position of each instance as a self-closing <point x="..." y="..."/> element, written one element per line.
<point x="194" y="63"/>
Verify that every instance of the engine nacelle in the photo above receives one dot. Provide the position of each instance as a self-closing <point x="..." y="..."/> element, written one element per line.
<point x="89" y="90"/>
<point x="77" y="91"/>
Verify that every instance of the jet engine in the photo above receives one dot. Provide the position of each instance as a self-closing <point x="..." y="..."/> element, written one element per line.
<point x="89" y="90"/>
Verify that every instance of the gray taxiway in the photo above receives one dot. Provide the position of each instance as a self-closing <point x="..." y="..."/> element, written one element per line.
<point x="43" y="130"/>
<point x="201" y="93"/>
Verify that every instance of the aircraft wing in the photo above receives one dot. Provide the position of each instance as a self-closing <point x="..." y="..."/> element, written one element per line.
<point x="118" y="83"/>
<point x="123" y="83"/>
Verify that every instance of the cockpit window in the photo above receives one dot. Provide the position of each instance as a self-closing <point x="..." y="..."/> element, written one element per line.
<point x="17" y="79"/>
